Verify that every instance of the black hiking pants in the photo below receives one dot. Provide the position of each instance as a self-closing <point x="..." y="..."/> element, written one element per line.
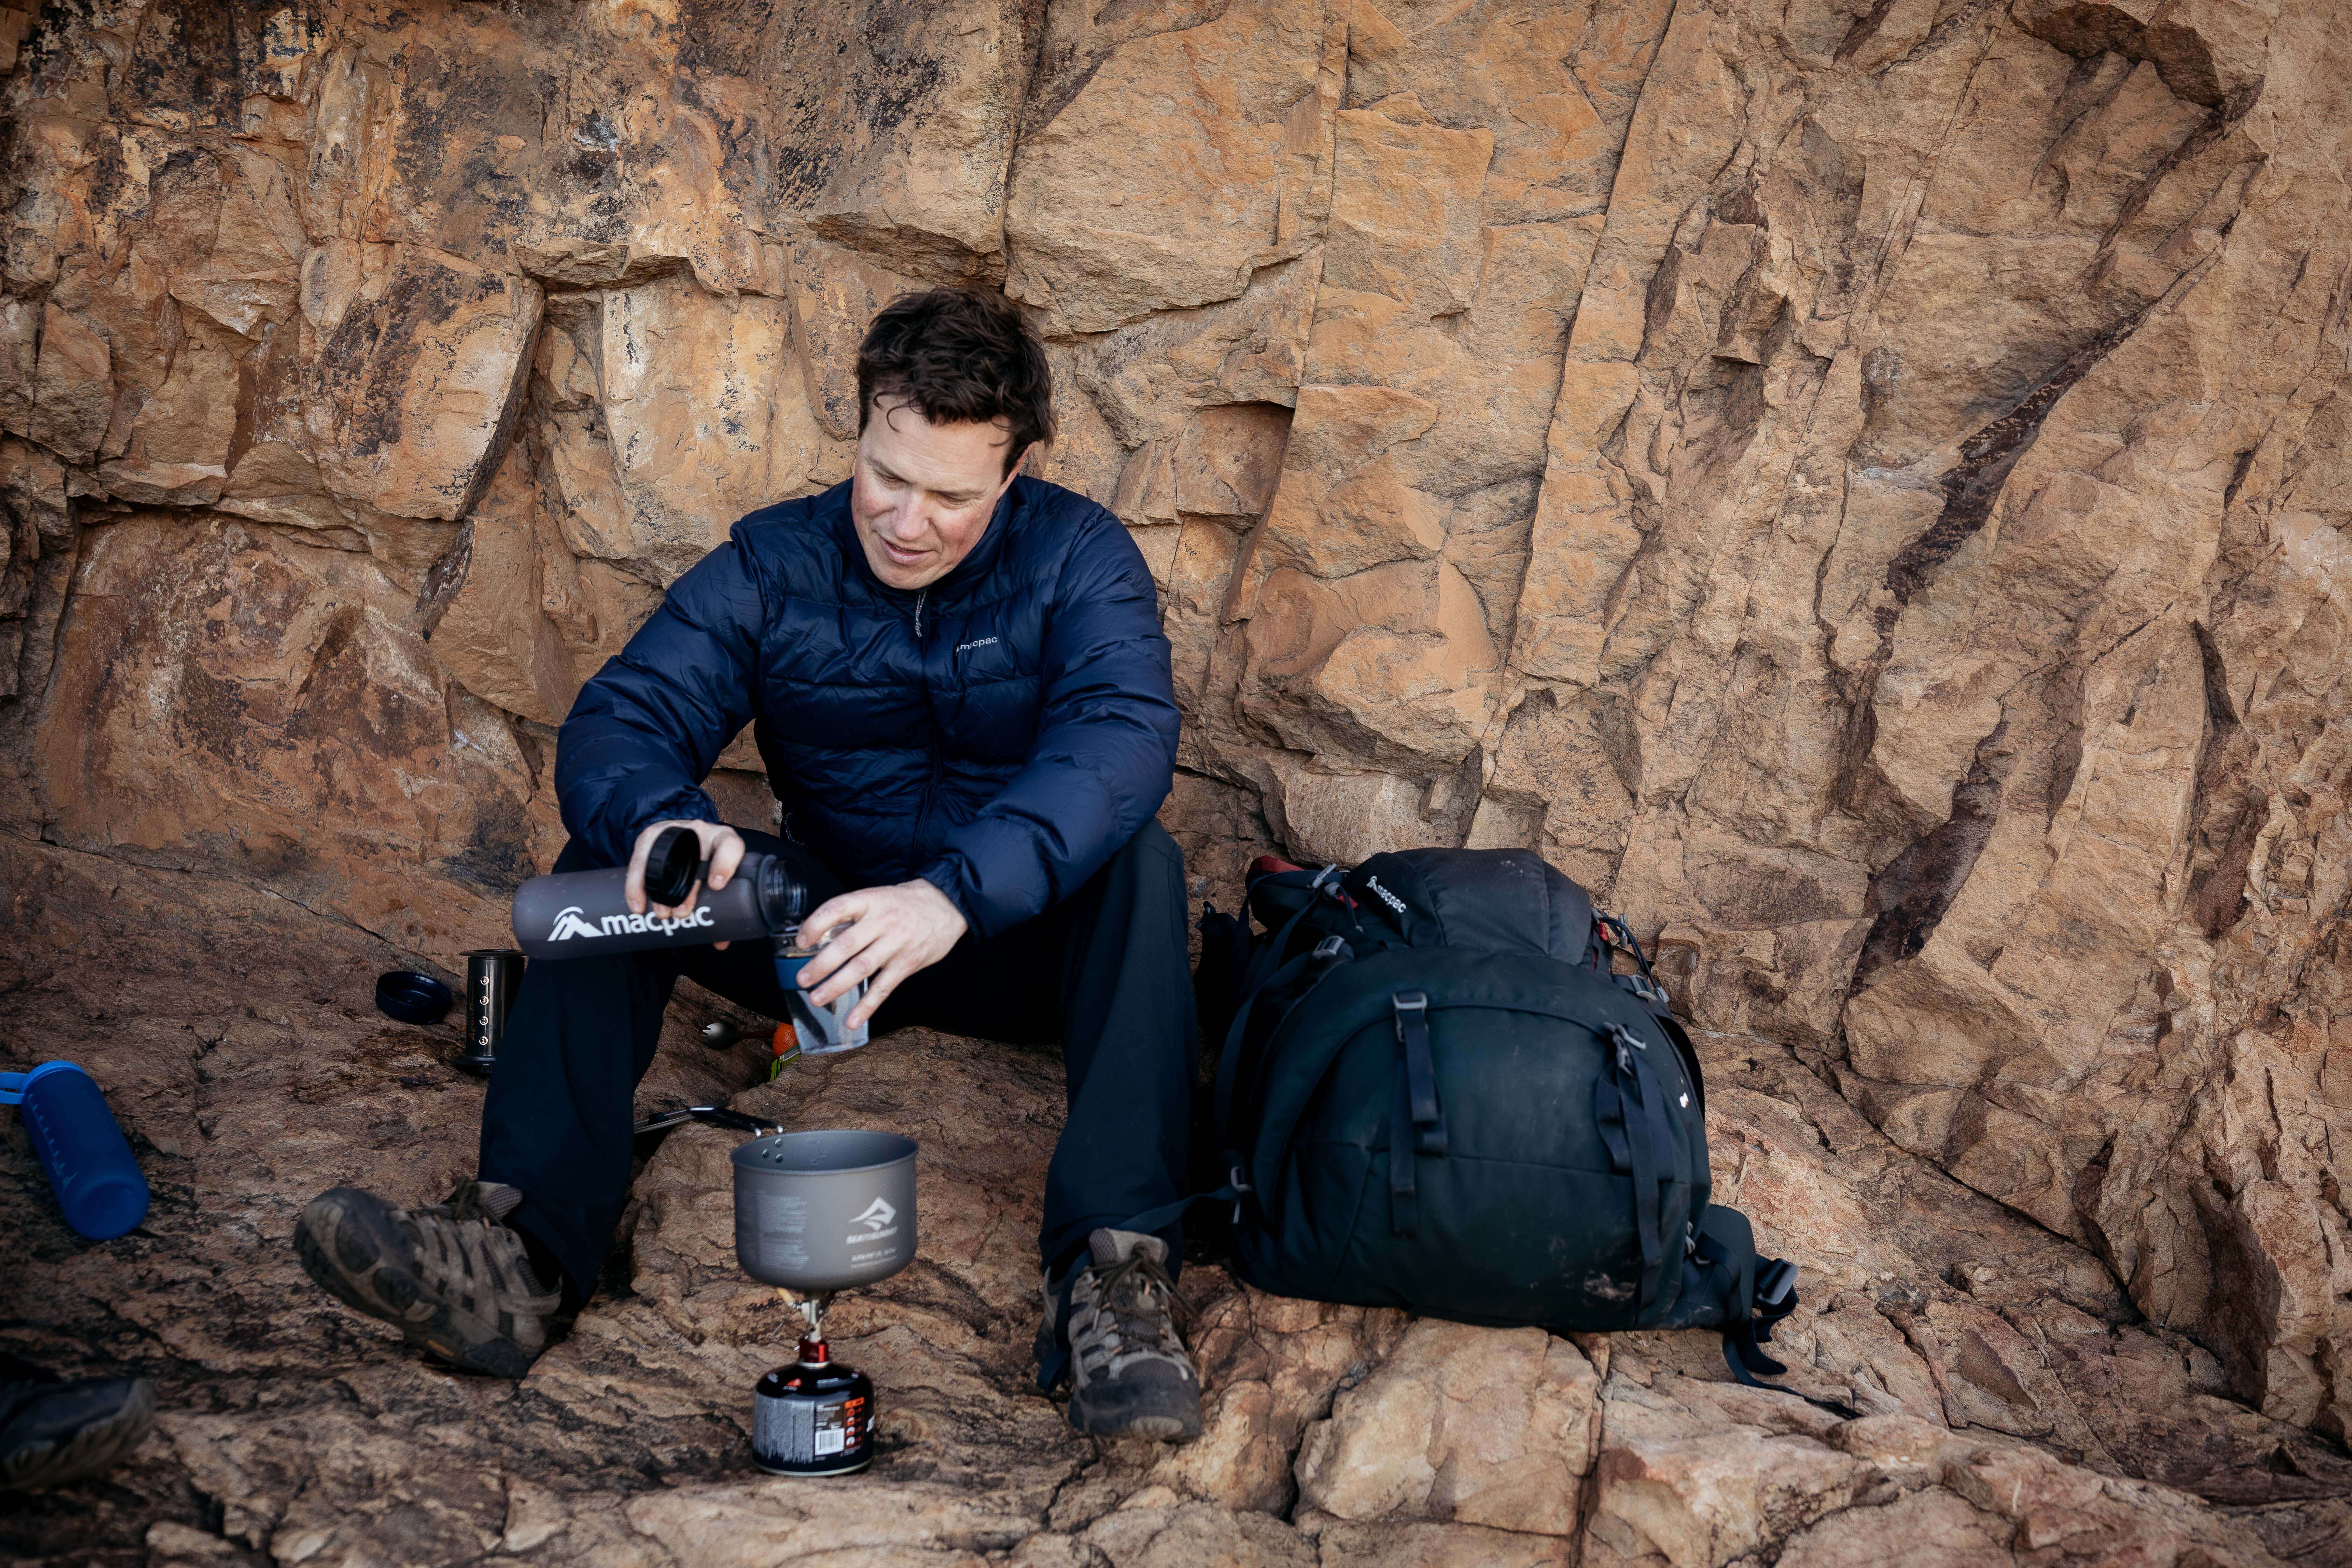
<point x="1103" y="973"/>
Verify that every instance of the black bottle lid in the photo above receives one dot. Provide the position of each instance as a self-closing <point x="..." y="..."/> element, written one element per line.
<point x="672" y="866"/>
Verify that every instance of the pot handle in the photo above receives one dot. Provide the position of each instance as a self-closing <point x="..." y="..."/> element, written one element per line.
<point x="715" y="1115"/>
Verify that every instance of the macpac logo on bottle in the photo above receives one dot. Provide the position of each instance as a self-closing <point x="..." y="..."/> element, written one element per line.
<point x="573" y="921"/>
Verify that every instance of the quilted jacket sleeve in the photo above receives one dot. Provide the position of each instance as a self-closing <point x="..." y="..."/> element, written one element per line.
<point x="1105" y="749"/>
<point x="644" y="733"/>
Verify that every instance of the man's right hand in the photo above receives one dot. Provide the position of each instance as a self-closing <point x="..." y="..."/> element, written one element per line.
<point x="722" y="847"/>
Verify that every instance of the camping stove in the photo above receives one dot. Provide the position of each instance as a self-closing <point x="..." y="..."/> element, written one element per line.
<point x="817" y="1213"/>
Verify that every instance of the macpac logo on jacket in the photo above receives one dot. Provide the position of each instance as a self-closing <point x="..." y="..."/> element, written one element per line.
<point x="1000" y="733"/>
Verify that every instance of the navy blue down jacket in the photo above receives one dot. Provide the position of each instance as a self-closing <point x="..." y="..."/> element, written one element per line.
<point x="1000" y="734"/>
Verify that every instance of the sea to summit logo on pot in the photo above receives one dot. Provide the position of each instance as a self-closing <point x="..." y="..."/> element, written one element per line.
<point x="573" y="921"/>
<point x="881" y="1222"/>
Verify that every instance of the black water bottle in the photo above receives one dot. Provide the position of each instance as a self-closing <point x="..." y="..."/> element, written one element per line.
<point x="585" y="914"/>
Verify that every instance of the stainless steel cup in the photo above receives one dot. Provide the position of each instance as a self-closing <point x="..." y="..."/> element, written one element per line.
<point x="492" y="976"/>
<point x="817" y="1212"/>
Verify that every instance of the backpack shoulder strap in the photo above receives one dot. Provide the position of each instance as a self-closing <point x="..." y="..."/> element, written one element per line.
<point x="1331" y="951"/>
<point x="1755" y="1294"/>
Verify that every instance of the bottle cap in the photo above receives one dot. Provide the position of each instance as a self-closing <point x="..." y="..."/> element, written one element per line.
<point x="15" y="1086"/>
<point x="672" y="866"/>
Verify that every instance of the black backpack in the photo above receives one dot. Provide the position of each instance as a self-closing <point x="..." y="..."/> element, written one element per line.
<point x="1433" y="1094"/>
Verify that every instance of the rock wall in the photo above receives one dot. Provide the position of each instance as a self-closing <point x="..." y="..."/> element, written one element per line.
<point x="1860" y="485"/>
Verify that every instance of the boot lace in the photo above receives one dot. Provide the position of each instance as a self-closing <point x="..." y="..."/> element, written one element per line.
<point x="470" y="1256"/>
<point x="1137" y="1305"/>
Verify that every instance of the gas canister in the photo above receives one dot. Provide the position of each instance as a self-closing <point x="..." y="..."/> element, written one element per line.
<point x="814" y="1418"/>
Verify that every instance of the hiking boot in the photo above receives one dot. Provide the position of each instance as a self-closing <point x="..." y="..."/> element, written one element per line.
<point x="52" y="1431"/>
<point x="454" y="1278"/>
<point x="1131" y="1376"/>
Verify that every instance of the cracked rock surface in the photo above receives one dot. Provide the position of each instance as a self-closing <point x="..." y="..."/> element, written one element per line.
<point x="2014" y="1408"/>
<point x="1860" y="484"/>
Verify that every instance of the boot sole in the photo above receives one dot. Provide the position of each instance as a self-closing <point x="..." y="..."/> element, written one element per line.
<point x="1162" y="1424"/>
<point x="352" y="1247"/>
<point x="93" y="1448"/>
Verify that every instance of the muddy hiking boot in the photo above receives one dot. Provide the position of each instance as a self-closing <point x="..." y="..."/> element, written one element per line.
<point x="53" y="1431"/>
<point x="1130" y="1374"/>
<point x="455" y="1278"/>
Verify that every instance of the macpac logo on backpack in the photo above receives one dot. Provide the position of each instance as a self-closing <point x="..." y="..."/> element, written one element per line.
<point x="1434" y="1094"/>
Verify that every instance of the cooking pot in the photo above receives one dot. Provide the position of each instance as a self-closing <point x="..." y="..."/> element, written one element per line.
<point x="819" y="1212"/>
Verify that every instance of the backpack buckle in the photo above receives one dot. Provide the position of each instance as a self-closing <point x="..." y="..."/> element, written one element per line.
<point x="1626" y="1043"/>
<point x="1406" y="1001"/>
<point x="1616" y="933"/>
<point x="1333" y="950"/>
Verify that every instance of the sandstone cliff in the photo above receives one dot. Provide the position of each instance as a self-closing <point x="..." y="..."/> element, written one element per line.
<point x="1861" y="485"/>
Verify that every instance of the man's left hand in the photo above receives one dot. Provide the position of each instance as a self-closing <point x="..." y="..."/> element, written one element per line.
<point x="881" y="934"/>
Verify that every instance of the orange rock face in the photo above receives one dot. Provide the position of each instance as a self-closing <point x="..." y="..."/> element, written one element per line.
<point x="1863" y="487"/>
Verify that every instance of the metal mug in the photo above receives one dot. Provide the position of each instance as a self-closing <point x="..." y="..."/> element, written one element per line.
<point x="492" y="976"/>
<point x="824" y="1031"/>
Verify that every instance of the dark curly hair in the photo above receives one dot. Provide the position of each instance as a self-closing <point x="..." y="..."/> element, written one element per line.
<point x="957" y="356"/>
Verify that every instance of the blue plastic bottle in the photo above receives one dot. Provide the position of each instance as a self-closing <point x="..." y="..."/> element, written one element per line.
<point x="80" y="1148"/>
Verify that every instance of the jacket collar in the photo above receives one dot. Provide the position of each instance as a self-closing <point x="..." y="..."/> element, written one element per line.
<point x="967" y="571"/>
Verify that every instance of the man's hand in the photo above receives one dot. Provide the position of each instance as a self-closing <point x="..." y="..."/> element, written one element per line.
<point x="722" y="847"/>
<point x="882" y="934"/>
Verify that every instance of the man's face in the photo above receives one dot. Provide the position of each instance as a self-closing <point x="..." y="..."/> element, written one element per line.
<point x="922" y="493"/>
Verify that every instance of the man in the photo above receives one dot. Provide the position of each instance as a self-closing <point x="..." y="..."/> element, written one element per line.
<point x="957" y="683"/>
